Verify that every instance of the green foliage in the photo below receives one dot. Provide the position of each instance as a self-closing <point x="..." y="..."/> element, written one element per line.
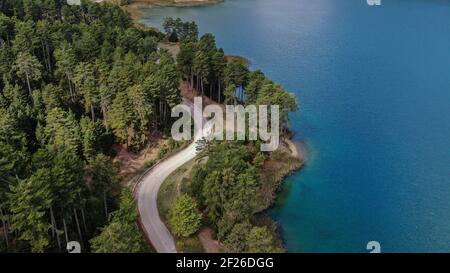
<point x="53" y="97"/>
<point x="230" y="184"/>
<point x="256" y="80"/>
<point x="103" y="176"/>
<point x="62" y="130"/>
<point x="86" y="82"/>
<point x="201" y="67"/>
<point x="259" y="159"/>
<point x="197" y="179"/>
<point x="28" y="68"/>
<point x="184" y="218"/>
<point x="236" y="240"/>
<point x="121" y="117"/>
<point x="178" y="30"/>
<point x="227" y="184"/>
<point x="185" y="57"/>
<point x="13" y="164"/>
<point x="95" y="138"/>
<point x="68" y="184"/>
<point x="274" y="94"/>
<point x="261" y="240"/>
<point x="122" y="235"/>
<point x="228" y="188"/>
<point x="10" y="129"/>
<point x="236" y="74"/>
<point x="146" y="47"/>
<point x="29" y="201"/>
<point x="142" y="101"/>
<point x="67" y="75"/>
<point x="254" y="239"/>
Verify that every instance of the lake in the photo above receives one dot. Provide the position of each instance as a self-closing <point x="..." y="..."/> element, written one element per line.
<point x="374" y="89"/>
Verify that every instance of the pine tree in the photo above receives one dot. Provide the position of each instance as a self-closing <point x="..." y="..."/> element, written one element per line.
<point x="90" y="136"/>
<point x="68" y="173"/>
<point x="86" y="82"/>
<point x="274" y="94"/>
<point x="6" y="29"/>
<point x="29" y="201"/>
<point x="185" y="60"/>
<point x="237" y="74"/>
<point x="256" y="80"/>
<point x="184" y="218"/>
<point x="53" y="96"/>
<point x="142" y="103"/>
<point x="43" y="32"/>
<point x="28" y="67"/>
<point x="65" y="65"/>
<point x="13" y="164"/>
<point x="201" y="69"/>
<point x="146" y="47"/>
<point x="25" y="39"/>
<point x="62" y="130"/>
<point x="120" y="117"/>
<point x="104" y="180"/>
<point x="219" y="63"/>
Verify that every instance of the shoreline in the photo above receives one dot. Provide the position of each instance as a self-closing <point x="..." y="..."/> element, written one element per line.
<point x="136" y="13"/>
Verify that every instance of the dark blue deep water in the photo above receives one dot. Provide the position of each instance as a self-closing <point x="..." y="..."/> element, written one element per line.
<point x="374" y="87"/>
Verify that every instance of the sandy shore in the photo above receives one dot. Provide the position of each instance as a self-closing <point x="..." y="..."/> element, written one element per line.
<point x="134" y="7"/>
<point x="176" y="2"/>
<point x="136" y="13"/>
<point x="295" y="151"/>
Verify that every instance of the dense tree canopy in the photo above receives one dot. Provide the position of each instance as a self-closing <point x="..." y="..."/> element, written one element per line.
<point x="74" y="80"/>
<point x="70" y="81"/>
<point x="227" y="187"/>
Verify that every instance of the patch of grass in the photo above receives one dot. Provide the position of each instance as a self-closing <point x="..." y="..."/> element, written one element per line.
<point x="173" y="186"/>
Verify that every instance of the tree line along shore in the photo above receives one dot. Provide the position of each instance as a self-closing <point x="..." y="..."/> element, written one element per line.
<point x="79" y="81"/>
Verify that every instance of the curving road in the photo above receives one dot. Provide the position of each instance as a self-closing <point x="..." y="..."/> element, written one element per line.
<point x="148" y="188"/>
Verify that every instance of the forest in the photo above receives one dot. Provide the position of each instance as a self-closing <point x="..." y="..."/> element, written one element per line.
<point x="76" y="80"/>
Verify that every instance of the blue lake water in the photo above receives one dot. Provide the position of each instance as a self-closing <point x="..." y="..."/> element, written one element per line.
<point x="374" y="87"/>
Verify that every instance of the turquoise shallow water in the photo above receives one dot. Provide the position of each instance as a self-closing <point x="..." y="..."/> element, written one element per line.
<point x="374" y="86"/>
